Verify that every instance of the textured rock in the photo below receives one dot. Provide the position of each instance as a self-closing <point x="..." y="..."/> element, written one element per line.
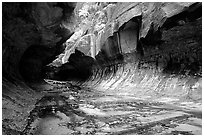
<point x="111" y="18"/>
<point x="153" y="14"/>
<point x="17" y="102"/>
<point x="171" y="42"/>
<point x="26" y="25"/>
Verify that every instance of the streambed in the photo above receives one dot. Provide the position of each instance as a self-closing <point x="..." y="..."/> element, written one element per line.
<point x="116" y="113"/>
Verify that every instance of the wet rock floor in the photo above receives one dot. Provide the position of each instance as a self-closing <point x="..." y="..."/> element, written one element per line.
<point x="111" y="113"/>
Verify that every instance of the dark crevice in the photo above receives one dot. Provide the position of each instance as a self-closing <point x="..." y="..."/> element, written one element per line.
<point x="194" y="12"/>
<point x="78" y="68"/>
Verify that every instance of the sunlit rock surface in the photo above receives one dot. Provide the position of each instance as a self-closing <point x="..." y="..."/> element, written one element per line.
<point x="113" y="20"/>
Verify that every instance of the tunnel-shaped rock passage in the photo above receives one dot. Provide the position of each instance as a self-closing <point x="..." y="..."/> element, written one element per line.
<point x="78" y="68"/>
<point x="33" y="60"/>
<point x="129" y="85"/>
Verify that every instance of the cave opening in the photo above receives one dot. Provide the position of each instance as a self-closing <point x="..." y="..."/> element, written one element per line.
<point x="33" y="65"/>
<point x="33" y="60"/>
<point x="78" y="68"/>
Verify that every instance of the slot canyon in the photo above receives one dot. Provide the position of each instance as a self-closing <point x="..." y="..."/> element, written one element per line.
<point x="102" y="68"/>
